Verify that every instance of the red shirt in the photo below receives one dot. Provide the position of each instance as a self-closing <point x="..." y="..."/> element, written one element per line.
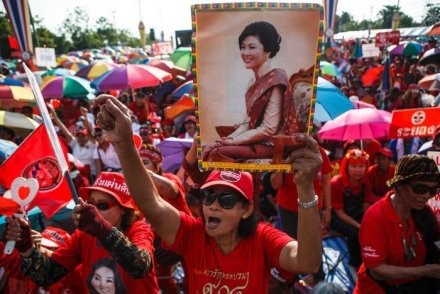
<point x="244" y="270"/>
<point x="379" y="180"/>
<point x="180" y="201"/>
<point x="287" y="195"/>
<point x="380" y="237"/>
<point x="338" y="185"/>
<point x="85" y="249"/>
<point x="140" y="112"/>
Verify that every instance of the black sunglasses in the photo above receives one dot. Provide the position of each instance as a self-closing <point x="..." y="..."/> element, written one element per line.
<point x="419" y="188"/>
<point x="102" y="205"/>
<point x="226" y="200"/>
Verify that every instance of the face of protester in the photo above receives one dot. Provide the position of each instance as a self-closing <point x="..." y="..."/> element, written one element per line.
<point x="221" y="223"/>
<point x="383" y="163"/>
<point x="82" y="139"/>
<point x="190" y="127"/>
<point x="412" y="198"/>
<point x="148" y="164"/>
<point x="103" y="280"/>
<point x="356" y="171"/>
<point x="252" y="53"/>
<point x="114" y="212"/>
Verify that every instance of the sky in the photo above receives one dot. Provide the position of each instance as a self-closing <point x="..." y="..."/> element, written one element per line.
<point x="171" y="15"/>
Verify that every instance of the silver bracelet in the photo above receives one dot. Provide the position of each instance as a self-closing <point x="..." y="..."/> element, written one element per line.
<point x="309" y="204"/>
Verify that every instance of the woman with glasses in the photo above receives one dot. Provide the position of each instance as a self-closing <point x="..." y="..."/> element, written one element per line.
<point x="351" y="195"/>
<point x="399" y="235"/>
<point x="109" y="226"/>
<point x="226" y="250"/>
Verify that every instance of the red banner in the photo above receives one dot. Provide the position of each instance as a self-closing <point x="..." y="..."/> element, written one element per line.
<point x="417" y="122"/>
<point x="387" y="38"/>
<point x="35" y="158"/>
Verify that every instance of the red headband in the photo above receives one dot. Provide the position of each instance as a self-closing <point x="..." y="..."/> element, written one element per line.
<point x="151" y="155"/>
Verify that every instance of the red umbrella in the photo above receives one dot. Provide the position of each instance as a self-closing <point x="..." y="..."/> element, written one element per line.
<point x="131" y="76"/>
<point x="15" y="96"/>
<point x="431" y="82"/>
<point x="372" y="75"/>
<point x="165" y="65"/>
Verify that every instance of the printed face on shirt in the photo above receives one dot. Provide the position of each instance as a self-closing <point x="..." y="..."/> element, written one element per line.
<point x="114" y="214"/>
<point x="356" y="170"/>
<point x="220" y="222"/>
<point x="103" y="280"/>
<point x="252" y="53"/>
<point x="412" y="196"/>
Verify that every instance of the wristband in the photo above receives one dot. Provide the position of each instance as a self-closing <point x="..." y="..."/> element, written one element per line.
<point x="309" y="204"/>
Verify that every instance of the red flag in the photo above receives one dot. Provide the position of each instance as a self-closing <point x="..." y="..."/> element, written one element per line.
<point x="13" y="43"/>
<point x="35" y="158"/>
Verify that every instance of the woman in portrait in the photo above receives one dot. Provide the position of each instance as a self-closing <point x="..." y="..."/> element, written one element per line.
<point x="259" y="42"/>
<point x="105" y="278"/>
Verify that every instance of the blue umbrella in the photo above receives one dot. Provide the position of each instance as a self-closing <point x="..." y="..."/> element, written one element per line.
<point x="330" y="101"/>
<point x="11" y="82"/>
<point x="185" y="88"/>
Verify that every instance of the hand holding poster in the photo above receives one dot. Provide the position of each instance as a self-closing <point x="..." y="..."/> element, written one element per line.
<point x="254" y="68"/>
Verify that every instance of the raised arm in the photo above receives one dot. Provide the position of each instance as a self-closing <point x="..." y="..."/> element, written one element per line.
<point x="114" y="118"/>
<point x="304" y="255"/>
<point x="67" y="134"/>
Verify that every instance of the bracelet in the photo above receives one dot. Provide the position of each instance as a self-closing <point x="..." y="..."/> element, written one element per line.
<point x="309" y="204"/>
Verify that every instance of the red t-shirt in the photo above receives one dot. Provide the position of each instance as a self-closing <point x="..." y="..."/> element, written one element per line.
<point x="378" y="181"/>
<point x="180" y="201"/>
<point x="85" y="249"/>
<point x="338" y="185"/>
<point x="140" y="112"/>
<point x="380" y="237"/>
<point x="287" y="195"/>
<point x="244" y="270"/>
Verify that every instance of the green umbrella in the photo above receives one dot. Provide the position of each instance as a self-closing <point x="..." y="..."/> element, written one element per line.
<point x="182" y="58"/>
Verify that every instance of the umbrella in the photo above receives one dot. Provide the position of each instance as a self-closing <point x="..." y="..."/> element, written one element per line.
<point x="185" y="88"/>
<point x="75" y="65"/>
<point x="184" y="104"/>
<point x="15" y="96"/>
<point x="372" y="75"/>
<point x="364" y="123"/>
<point x="182" y="57"/>
<point x="95" y="70"/>
<point x="431" y="82"/>
<point x="330" y="101"/>
<point x="362" y="104"/>
<point x="329" y="69"/>
<point x="11" y="82"/>
<point x="59" y="72"/>
<point x="131" y="76"/>
<point x="173" y="151"/>
<point x="6" y="149"/>
<point x="406" y="49"/>
<point x="69" y="86"/>
<point x="20" y="123"/>
<point x="165" y="65"/>
<point x="430" y="56"/>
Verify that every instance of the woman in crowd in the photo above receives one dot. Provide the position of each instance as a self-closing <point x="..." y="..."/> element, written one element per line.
<point x="399" y="235"/>
<point x="351" y="194"/>
<point x="109" y="226"/>
<point x="227" y="249"/>
<point x="259" y="43"/>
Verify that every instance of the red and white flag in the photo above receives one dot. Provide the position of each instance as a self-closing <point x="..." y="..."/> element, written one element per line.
<point x="35" y="158"/>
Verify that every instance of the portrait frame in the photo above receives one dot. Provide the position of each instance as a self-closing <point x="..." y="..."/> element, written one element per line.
<point x="221" y="80"/>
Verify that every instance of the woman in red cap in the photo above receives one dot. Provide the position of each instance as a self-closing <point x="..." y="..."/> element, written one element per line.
<point x="351" y="195"/>
<point x="109" y="226"/>
<point x="227" y="250"/>
<point x="399" y="235"/>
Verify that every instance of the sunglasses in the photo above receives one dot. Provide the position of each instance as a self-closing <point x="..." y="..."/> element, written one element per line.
<point x="103" y="205"/>
<point x="226" y="200"/>
<point x="420" y="189"/>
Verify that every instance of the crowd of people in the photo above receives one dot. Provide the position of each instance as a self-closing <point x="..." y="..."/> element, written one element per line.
<point x="140" y="229"/>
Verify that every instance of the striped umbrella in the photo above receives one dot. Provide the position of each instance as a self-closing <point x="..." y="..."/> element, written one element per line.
<point x="95" y="70"/>
<point x="70" y="86"/>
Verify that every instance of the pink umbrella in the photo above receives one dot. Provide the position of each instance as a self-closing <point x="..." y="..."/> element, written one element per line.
<point x="362" y="104"/>
<point x="131" y="76"/>
<point x="364" y="123"/>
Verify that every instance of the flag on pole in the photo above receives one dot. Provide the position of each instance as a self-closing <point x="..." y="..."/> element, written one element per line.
<point x="35" y="158"/>
<point x="329" y="19"/>
<point x="19" y="14"/>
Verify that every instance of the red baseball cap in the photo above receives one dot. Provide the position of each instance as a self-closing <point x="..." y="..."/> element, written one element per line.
<point x="385" y="152"/>
<point x="53" y="237"/>
<point x="242" y="182"/>
<point x="112" y="183"/>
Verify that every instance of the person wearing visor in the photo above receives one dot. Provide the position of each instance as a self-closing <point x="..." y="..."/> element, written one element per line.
<point x="399" y="235"/>
<point x="227" y="249"/>
<point x="108" y="226"/>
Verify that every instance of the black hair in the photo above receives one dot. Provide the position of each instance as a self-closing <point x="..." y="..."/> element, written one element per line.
<point x="111" y="264"/>
<point x="266" y="33"/>
<point x="248" y="226"/>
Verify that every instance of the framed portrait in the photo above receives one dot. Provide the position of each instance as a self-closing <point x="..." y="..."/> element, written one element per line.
<point x="255" y="72"/>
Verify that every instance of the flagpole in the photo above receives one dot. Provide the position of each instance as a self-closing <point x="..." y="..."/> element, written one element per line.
<point x="53" y="138"/>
